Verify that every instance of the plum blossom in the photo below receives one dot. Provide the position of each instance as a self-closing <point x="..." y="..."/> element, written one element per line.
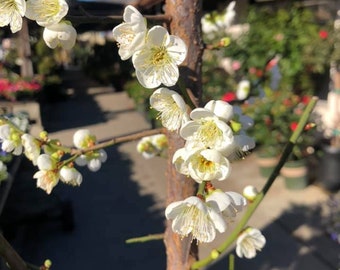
<point x="222" y="109"/>
<point x="178" y="159"/>
<point x="62" y="34"/>
<point x="250" y="192"/>
<point x="214" y="22"/>
<point x="10" y="140"/>
<point x="207" y="165"/>
<point x="193" y="216"/>
<point x="48" y="174"/>
<point x="151" y="146"/>
<point x="93" y="160"/>
<point x="157" y="61"/>
<point x="46" y="12"/>
<point x="206" y="130"/>
<point x="70" y="175"/>
<point x="130" y="34"/>
<point x="171" y="106"/>
<point x="84" y="139"/>
<point x="228" y="203"/>
<point x="243" y="89"/>
<point x="11" y="13"/>
<point x="248" y="242"/>
<point x="31" y="147"/>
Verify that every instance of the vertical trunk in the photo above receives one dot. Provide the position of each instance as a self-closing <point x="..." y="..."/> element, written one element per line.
<point x="24" y="51"/>
<point x="186" y="15"/>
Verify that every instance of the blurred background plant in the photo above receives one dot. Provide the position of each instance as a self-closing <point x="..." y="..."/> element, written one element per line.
<point x="272" y="48"/>
<point x="275" y="117"/>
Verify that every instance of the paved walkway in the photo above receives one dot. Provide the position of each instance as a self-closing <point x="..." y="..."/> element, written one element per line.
<point x="126" y="199"/>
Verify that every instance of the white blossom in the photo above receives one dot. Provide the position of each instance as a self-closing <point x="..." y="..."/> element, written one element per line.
<point x="70" y="175"/>
<point x="228" y="203"/>
<point x="48" y="175"/>
<point x="157" y="61"/>
<point x="193" y="216"/>
<point x="250" y="192"/>
<point x="171" y="106"/>
<point x="93" y="160"/>
<point x="206" y="130"/>
<point x="31" y="147"/>
<point x="130" y="34"/>
<point x="10" y="140"/>
<point x="46" y="12"/>
<point x="62" y="34"/>
<point x="243" y="89"/>
<point x="214" y="22"/>
<point x="179" y="158"/>
<point x="207" y="165"/>
<point x="147" y="148"/>
<point x="151" y="146"/>
<point x="223" y="110"/>
<point x="248" y="242"/>
<point x="83" y="139"/>
<point x="11" y="13"/>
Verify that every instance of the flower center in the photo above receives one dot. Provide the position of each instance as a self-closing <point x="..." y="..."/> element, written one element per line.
<point x="46" y="8"/>
<point x="159" y="56"/>
<point x="208" y="133"/>
<point x="205" y="165"/>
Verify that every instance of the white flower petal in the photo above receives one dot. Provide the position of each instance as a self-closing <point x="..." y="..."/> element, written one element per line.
<point x="46" y="12"/>
<point x="221" y="109"/>
<point x="60" y="34"/>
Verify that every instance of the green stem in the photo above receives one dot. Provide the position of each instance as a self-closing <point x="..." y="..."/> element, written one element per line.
<point x="146" y="238"/>
<point x="252" y="207"/>
<point x="201" y="187"/>
<point x="231" y="261"/>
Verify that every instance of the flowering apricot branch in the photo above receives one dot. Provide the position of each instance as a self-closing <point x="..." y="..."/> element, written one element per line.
<point x="253" y="206"/>
<point x="117" y="140"/>
<point x="77" y="20"/>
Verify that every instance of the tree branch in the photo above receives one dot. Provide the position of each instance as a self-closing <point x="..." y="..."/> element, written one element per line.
<point x="91" y="19"/>
<point x="12" y="258"/>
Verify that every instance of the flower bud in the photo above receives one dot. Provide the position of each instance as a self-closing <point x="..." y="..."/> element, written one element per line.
<point x="250" y="193"/>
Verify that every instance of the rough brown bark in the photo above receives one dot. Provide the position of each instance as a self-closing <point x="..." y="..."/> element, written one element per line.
<point x="185" y="23"/>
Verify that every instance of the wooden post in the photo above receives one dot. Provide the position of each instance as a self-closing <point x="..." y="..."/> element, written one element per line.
<point x="185" y="23"/>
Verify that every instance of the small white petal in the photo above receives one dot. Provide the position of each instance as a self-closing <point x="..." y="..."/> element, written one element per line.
<point x="221" y="109"/>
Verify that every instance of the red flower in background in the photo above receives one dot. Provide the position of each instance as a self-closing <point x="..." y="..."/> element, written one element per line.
<point x="293" y="126"/>
<point x="229" y="96"/>
<point x="323" y="34"/>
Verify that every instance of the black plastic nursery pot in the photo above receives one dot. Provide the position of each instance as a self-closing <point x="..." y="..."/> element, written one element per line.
<point x="329" y="168"/>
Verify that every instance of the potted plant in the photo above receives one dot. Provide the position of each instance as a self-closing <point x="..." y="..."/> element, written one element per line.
<point x="295" y="170"/>
<point x="271" y="115"/>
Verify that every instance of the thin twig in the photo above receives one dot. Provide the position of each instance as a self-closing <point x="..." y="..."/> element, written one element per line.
<point x="142" y="239"/>
<point x="91" y="19"/>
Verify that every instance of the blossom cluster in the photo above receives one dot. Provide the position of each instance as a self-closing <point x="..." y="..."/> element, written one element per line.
<point x="214" y="135"/>
<point x="49" y="155"/>
<point x="47" y="13"/>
